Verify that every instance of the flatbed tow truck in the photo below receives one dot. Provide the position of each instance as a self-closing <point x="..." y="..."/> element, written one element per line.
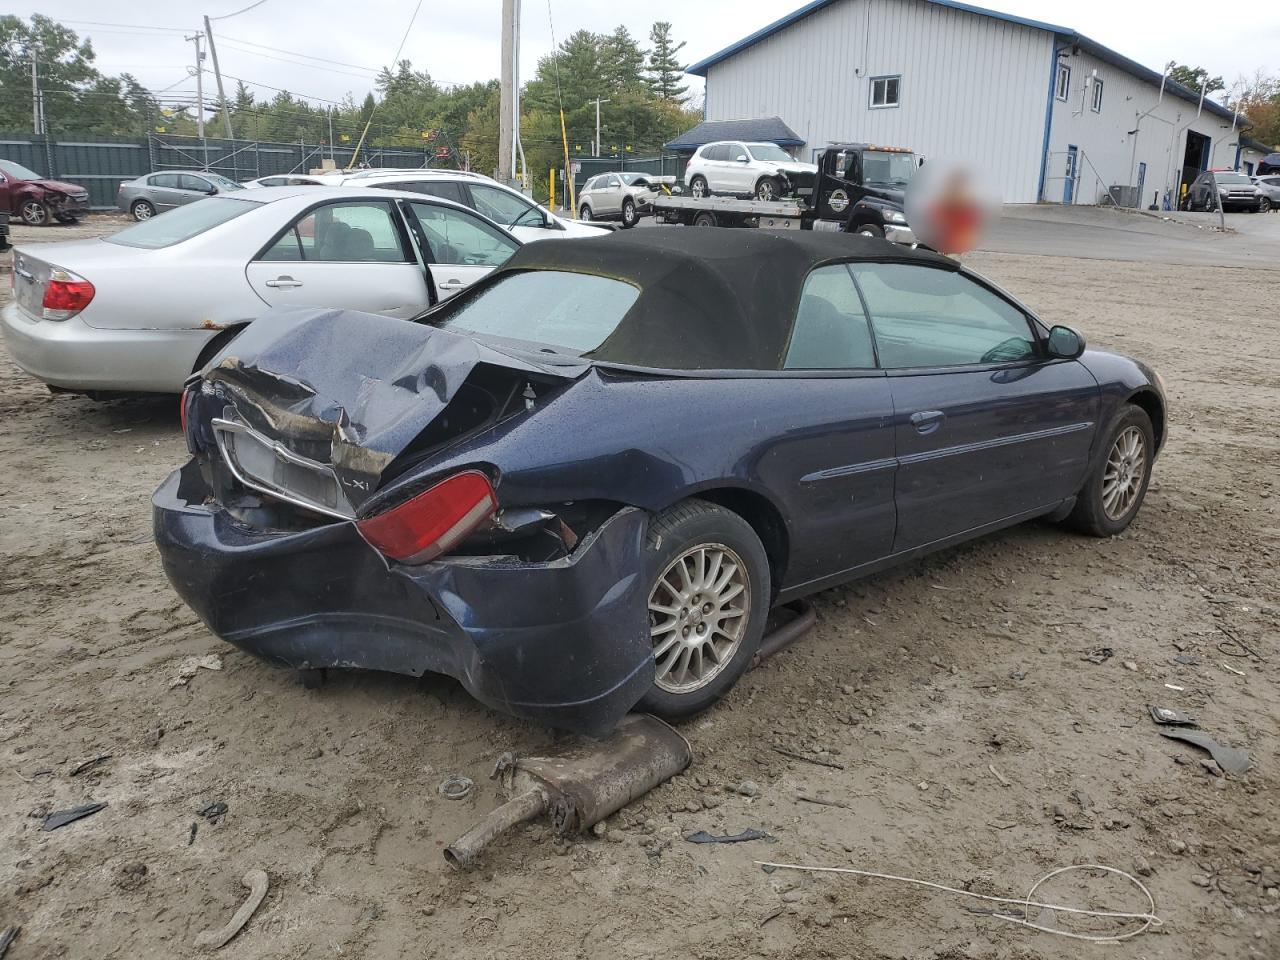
<point x="858" y="188"/>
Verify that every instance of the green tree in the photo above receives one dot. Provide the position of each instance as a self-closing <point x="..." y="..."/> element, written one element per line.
<point x="664" y="69"/>
<point x="1192" y="77"/>
<point x="621" y="62"/>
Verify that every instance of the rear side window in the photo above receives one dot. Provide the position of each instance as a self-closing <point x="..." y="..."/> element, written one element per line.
<point x="169" y="181"/>
<point x="181" y="224"/>
<point x="928" y="317"/>
<point x="573" y="311"/>
<point x="830" y="332"/>
<point x="355" y="232"/>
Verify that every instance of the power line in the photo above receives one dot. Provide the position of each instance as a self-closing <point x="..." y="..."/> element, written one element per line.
<point x="131" y="26"/>
<point x="228" y="16"/>
<point x="314" y="66"/>
<point x="305" y="56"/>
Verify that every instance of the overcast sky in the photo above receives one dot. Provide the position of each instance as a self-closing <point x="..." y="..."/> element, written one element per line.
<point x="457" y="42"/>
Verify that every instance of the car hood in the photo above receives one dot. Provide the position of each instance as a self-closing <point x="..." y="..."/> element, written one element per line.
<point x="353" y="391"/>
<point x="794" y="167"/>
<point x="60" y="186"/>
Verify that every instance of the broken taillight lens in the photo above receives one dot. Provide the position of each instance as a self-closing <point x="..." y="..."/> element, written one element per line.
<point x="433" y="522"/>
<point x="65" y="295"/>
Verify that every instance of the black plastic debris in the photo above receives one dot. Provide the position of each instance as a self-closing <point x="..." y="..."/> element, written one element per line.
<point x="1099" y="655"/>
<point x="214" y="812"/>
<point x="61" y="818"/>
<point x="1229" y="759"/>
<point x="1173" y="718"/>
<point x="7" y="937"/>
<point x="749" y="834"/>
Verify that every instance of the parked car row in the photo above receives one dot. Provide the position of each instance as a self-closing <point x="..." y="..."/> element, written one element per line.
<point x="1235" y="191"/>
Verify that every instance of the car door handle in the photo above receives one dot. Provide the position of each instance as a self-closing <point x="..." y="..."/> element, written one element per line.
<point x="284" y="282"/>
<point x="451" y="284"/>
<point x="927" y="421"/>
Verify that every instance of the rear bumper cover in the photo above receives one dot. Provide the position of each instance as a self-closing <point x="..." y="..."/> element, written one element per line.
<point x="563" y="642"/>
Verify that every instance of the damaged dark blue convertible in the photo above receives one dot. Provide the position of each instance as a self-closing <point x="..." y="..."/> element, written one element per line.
<point x="581" y="485"/>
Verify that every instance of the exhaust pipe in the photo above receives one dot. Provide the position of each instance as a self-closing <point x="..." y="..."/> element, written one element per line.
<point x="586" y="782"/>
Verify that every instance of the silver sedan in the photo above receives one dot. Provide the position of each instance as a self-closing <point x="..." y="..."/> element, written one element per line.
<point x="155" y="193"/>
<point x="141" y="310"/>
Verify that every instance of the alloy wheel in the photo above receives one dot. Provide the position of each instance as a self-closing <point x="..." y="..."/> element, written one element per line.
<point x="698" y="613"/>
<point x="34" y="214"/>
<point x="142" y="211"/>
<point x="765" y="190"/>
<point x="1124" y="473"/>
<point x="698" y="188"/>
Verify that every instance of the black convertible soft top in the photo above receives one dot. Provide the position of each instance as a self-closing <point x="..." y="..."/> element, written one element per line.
<point x="710" y="299"/>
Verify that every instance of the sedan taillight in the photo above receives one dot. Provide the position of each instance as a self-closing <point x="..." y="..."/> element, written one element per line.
<point x="433" y="522"/>
<point x="65" y="295"/>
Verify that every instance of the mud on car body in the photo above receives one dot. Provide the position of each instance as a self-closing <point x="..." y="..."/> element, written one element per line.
<point x="580" y="485"/>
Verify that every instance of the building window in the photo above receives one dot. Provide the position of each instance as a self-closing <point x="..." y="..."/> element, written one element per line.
<point x="1062" y="86"/>
<point x="1097" y="95"/>
<point x="886" y="92"/>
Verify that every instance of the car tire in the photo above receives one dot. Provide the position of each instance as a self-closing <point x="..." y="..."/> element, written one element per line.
<point x="699" y="188"/>
<point x="584" y="213"/>
<point x="705" y="218"/>
<point x="768" y="185"/>
<point x="142" y="210"/>
<point x="1099" y="511"/>
<point x="689" y="541"/>
<point x="34" y="213"/>
<point x="869" y="230"/>
<point x="629" y="218"/>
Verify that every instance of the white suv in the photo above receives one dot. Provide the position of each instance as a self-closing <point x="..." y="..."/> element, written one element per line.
<point x="761" y="170"/>
<point x="509" y="208"/>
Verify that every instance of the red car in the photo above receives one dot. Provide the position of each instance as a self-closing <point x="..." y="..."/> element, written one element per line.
<point x="38" y="200"/>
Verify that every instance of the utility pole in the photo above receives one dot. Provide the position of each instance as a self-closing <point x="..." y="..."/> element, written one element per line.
<point x="37" y="115"/>
<point x="598" y="102"/>
<point x="506" y="94"/>
<point x="196" y="38"/>
<point x="330" y="111"/>
<point x="217" y="75"/>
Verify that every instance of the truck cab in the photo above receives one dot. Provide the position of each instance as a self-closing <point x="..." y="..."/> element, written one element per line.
<point x="861" y="188"/>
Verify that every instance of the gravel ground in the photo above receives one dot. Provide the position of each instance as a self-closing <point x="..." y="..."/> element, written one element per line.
<point x="967" y="736"/>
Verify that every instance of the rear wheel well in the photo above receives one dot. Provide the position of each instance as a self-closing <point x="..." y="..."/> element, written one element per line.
<point x="1150" y="404"/>
<point x="210" y="349"/>
<point x="764" y="519"/>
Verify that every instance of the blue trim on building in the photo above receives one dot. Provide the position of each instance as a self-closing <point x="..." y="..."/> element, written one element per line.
<point x="1048" y="114"/>
<point x="1105" y="54"/>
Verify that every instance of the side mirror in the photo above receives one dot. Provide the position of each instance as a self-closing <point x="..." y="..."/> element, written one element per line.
<point x="1065" y="343"/>
<point x="742" y="158"/>
<point x="212" y="191"/>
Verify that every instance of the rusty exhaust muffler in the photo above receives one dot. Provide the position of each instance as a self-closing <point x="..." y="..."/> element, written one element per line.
<point x="582" y="784"/>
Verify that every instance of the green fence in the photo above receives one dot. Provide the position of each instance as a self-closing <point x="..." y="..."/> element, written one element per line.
<point x="101" y="164"/>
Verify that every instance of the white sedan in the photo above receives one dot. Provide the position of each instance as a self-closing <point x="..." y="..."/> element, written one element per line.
<point x="144" y="308"/>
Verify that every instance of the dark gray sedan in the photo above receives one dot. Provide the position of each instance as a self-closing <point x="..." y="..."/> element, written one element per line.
<point x="155" y="193"/>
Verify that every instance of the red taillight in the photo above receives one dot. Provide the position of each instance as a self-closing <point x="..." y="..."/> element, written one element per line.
<point x="434" y="521"/>
<point x="65" y="295"/>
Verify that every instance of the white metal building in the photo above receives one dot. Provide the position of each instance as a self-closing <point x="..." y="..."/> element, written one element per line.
<point x="1052" y="114"/>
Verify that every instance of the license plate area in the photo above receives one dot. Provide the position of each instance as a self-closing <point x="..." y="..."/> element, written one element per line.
<point x="267" y="466"/>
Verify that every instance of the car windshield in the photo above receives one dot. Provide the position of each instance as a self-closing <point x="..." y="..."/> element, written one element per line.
<point x="893" y="169"/>
<point x="17" y="171"/>
<point x="222" y="181"/>
<point x="182" y="223"/>
<point x="570" y="312"/>
<point x="1231" y="178"/>
<point x="769" y="151"/>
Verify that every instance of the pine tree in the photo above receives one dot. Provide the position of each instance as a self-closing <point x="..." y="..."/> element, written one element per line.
<point x="621" y="62"/>
<point x="664" y="69"/>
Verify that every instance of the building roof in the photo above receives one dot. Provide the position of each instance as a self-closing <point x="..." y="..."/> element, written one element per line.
<point x="1249" y="143"/>
<point x="1065" y="34"/>
<point x="760" y="130"/>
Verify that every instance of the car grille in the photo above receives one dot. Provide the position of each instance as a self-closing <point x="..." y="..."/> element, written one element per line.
<point x="269" y="467"/>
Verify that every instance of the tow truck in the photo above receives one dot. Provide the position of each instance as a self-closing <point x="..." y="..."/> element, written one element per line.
<point x="859" y="188"/>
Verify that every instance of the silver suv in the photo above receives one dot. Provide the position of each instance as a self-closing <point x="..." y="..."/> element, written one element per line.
<point x="761" y="170"/>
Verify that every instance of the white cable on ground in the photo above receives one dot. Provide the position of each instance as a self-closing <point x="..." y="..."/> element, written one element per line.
<point x="1149" y="919"/>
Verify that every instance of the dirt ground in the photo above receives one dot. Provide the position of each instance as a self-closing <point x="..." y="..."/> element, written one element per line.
<point x="969" y="738"/>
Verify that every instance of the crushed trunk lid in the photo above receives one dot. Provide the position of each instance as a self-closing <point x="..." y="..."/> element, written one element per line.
<point x="313" y="406"/>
